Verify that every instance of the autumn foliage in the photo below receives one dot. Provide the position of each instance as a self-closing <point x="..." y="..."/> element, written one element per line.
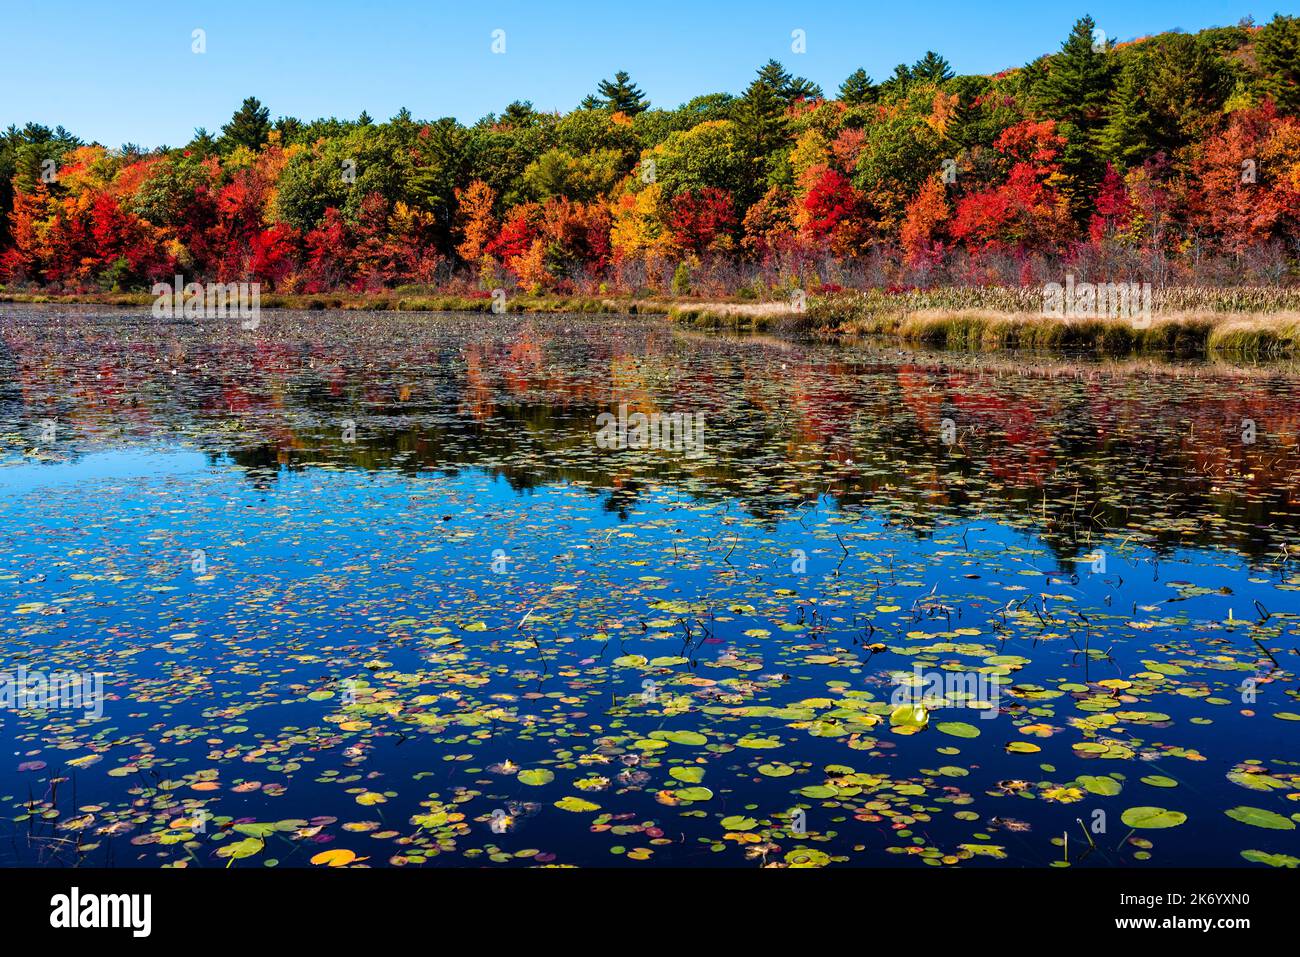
<point x="1173" y="153"/>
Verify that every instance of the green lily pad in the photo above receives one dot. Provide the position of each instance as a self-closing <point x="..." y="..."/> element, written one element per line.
<point x="958" y="729"/>
<point x="576" y="804"/>
<point x="693" y="794"/>
<point x="1099" y="784"/>
<point x="738" y="823"/>
<point x="241" y="849"/>
<point x="1152" y="818"/>
<point x="1159" y="781"/>
<point x="1258" y="817"/>
<point x="1272" y="860"/>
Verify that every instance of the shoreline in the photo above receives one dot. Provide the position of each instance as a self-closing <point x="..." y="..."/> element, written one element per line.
<point x="1187" y="322"/>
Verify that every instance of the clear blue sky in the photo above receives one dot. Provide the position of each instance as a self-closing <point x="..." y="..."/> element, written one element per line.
<point x="123" y="71"/>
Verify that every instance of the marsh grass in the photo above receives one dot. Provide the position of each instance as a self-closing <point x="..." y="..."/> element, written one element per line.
<point x="1185" y="320"/>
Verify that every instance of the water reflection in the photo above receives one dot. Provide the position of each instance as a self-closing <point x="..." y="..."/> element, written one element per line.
<point x="366" y="584"/>
<point x="1176" y="453"/>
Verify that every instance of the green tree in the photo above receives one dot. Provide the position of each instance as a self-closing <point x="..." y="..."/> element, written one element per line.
<point x="858" y="89"/>
<point x="1074" y="92"/>
<point x="761" y="129"/>
<point x="441" y="164"/>
<point x="801" y="88"/>
<point x="775" y="77"/>
<point x="559" y="173"/>
<point x="621" y="95"/>
<point x="931" y="68"/>
<point x="203" y="144"/>
<point x="706" y="155"/>
<point x="970" y="124"/>
<point x="250" y="126"/>
<point x="1278" y="50"/>
<point x="899" y="82"/>
<point x="1188" y="85"/>
<point x="1129" y="136"/>
<point x="520" y="113"/>
<point x="289" y="128"/>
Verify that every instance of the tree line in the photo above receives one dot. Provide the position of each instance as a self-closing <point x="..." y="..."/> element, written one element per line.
<point x="1177" y="155"/>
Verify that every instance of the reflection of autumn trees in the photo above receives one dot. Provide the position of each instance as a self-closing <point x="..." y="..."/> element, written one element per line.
<point x="1156" y="452"/>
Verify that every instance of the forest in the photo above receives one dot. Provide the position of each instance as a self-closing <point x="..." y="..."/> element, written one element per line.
<point x="1169" y="159"/>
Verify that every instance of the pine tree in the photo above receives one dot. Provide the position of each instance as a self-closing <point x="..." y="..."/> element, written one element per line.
<point x="1187" y="83"/>
<point x="249" y="127"/>
<point x="786" y="88"/>
<point x="931" y="68"/>
<point x="621" y="95"/>
<point x="1074" y="92"/>
<point x="774" y="76"/>
<point x="801" y="88"/>
<point x="288" y="127"/>
<point x="1078" y="78"/>
<point x="203" y="144"/>
<point x="518" y="114"/>
<point x="760" y="121"/>
<point x="1127" y="139"/>
<point x="899" y="82"/>
<point x="963" y="125"/>
<point x="1278" y="50"/>
<point x="858" y="89"/>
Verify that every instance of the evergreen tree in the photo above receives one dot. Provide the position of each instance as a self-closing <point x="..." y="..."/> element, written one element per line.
<point x="1278" y="50"/>
<point x="289" y="128"/>
<point x="802" y="88"/>
<point x="1187" y="85"/>
<point x="774" y="76"/>
<point x="761" y="124"/>
<point x="1128" y="138"/>
<point x="786" y="88"/>
<point x="250" y="126"/>
<point x="519" y="113"/>
<point x="858" y="89"/>
<point x="203" y="144"/>
<point x="899" y="82"/>
<point x="931" y="68"/>
<point x="1074" y="92"/>
<point x="963" y="125"/>
<point x="622" y="95"/>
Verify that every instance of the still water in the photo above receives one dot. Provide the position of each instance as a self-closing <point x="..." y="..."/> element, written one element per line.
<point x="365" y="588"/>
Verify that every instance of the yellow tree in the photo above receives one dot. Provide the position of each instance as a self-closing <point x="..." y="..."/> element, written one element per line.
<point x="476" y="222"/>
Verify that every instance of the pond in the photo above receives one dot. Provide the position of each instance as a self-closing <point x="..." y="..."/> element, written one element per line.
<point x="374" y="588"/>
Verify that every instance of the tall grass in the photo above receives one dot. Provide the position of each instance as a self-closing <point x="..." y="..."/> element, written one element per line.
<point x="1251" y="321"/>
